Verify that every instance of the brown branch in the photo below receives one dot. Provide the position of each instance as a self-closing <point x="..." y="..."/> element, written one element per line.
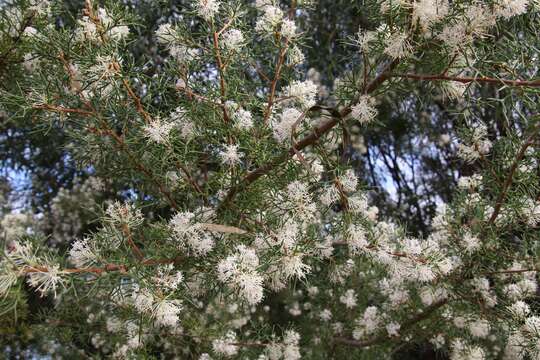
<point x="136" y="251"/>
<point x="273" y="85"/>
<point x="221" y="75"/>
<point x="100" y="270"/>
<point x="138" y="104"/>
<point x="189" y="178"/>
<point x="190" y="94"/>
<point x="515" y="271"/>
<point x="106" y="130"/>
<point x="509" y="178"/>
<point x="61" y="109"/>
<point x="94" y="270"/>
<point x="466" y="80"/>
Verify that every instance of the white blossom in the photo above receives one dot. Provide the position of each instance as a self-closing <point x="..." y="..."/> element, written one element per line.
<point x="230" y="155"/>
<point x="363" y="110"/>
<point x="207" y="9"/>
<point x="233" y="39"/>
<point x="243" y="119"/>
<point x="166" y="34"/>
<point x="398" y="46"/>
<point x="348" y="299"/>
<point x="283" y="127"/>
<point x="271" y="18"/>
<point x="47" y="280"/>
<point x="158" y="131"/>
<point x="226" y="345"/>
<point x="81" y="253"/>
<point x="239" y="271"/>
<point x="304" y="92"/>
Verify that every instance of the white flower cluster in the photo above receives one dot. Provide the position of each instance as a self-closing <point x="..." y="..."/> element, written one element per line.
<point x="226" y="345"/>
<point x="268" y="22"/>
<point x="304" y="93"/>
<point x="158" y="131"/>
<point x="165" y="312"/>
<point x="124" y="214"/>
<point x="239" y="271"/>
<point x="284" y="126"/>
<point x="287" y="350"/>
<point x="368" y="324"/>
<point x="101" y="27"/>
<point x="230" y="155"/>
<point x="207" y="9"/>
<point x="233" y="40"/>
<point x="166" y="35"/>
<point x="181" y="120"/>
<point x="363" y="110"/>
<point x="479" y="146"/>
<point x="82" y="254"/>
<point x="191" y="234"/>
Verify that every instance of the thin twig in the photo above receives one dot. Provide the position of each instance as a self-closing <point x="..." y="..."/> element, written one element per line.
<point x="513" y="168"/>
<point x="466" y="80"/>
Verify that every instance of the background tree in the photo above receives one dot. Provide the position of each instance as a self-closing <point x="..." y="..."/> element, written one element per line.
<point x="283" y="167"/>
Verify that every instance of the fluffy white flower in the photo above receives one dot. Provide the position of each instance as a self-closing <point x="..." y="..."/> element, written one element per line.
<point x="363" y="110"/>
<point x="124" y="213"/>
<point x="291" y="349"/>
<point x="230" y="155"/>
<point x="348" y="181"/>
<point x="295" y="56"/>
<point x="288" y="28"/>
<point x="470" y="182"/>
<point x="532" y="325"/>
<point x="225" y="345"/>
<point x="397" y="46"/>
<point x="427" y="12"/>
<point x="166" y="312"/>
<point x="143" y="300"/>
<point x="348" y="299"/>
<point x="325" y="315"/>
<point x="470" y="242"/>
<point x="183" y="54"/>
<point x="367" y="324"/>
<point x="239" y="271"/>
<point x="47" y="280"/>
<point x="393" y="329"/>
<point x="292" y="266"/>
<point x="181" y="120"/>
<point x="168" y="278"/>
<point x="283" y="127"/>
<point x="81" y="253"/>
<point x="510" y="8"/>
<point x="207" y="9"/>
<point x="243" y="119"/>
<point x="363" y="38"/>
<point x="30" y="31"/>
<point x="233" y="39"/>
<point x="519" y="309"/>
<point x="119" y="32"/>
<point x="158" y="131"/>
<point x="356" y="238"/>
<point x="190" y="233"/>
<point x="479" y="328"/>
<point x="303" y="92"/>
<point x="166" y="34"/>
<point x="269" y="20"/>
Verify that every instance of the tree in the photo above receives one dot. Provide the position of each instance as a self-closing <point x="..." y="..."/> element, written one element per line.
<point x="271" y="180"/>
